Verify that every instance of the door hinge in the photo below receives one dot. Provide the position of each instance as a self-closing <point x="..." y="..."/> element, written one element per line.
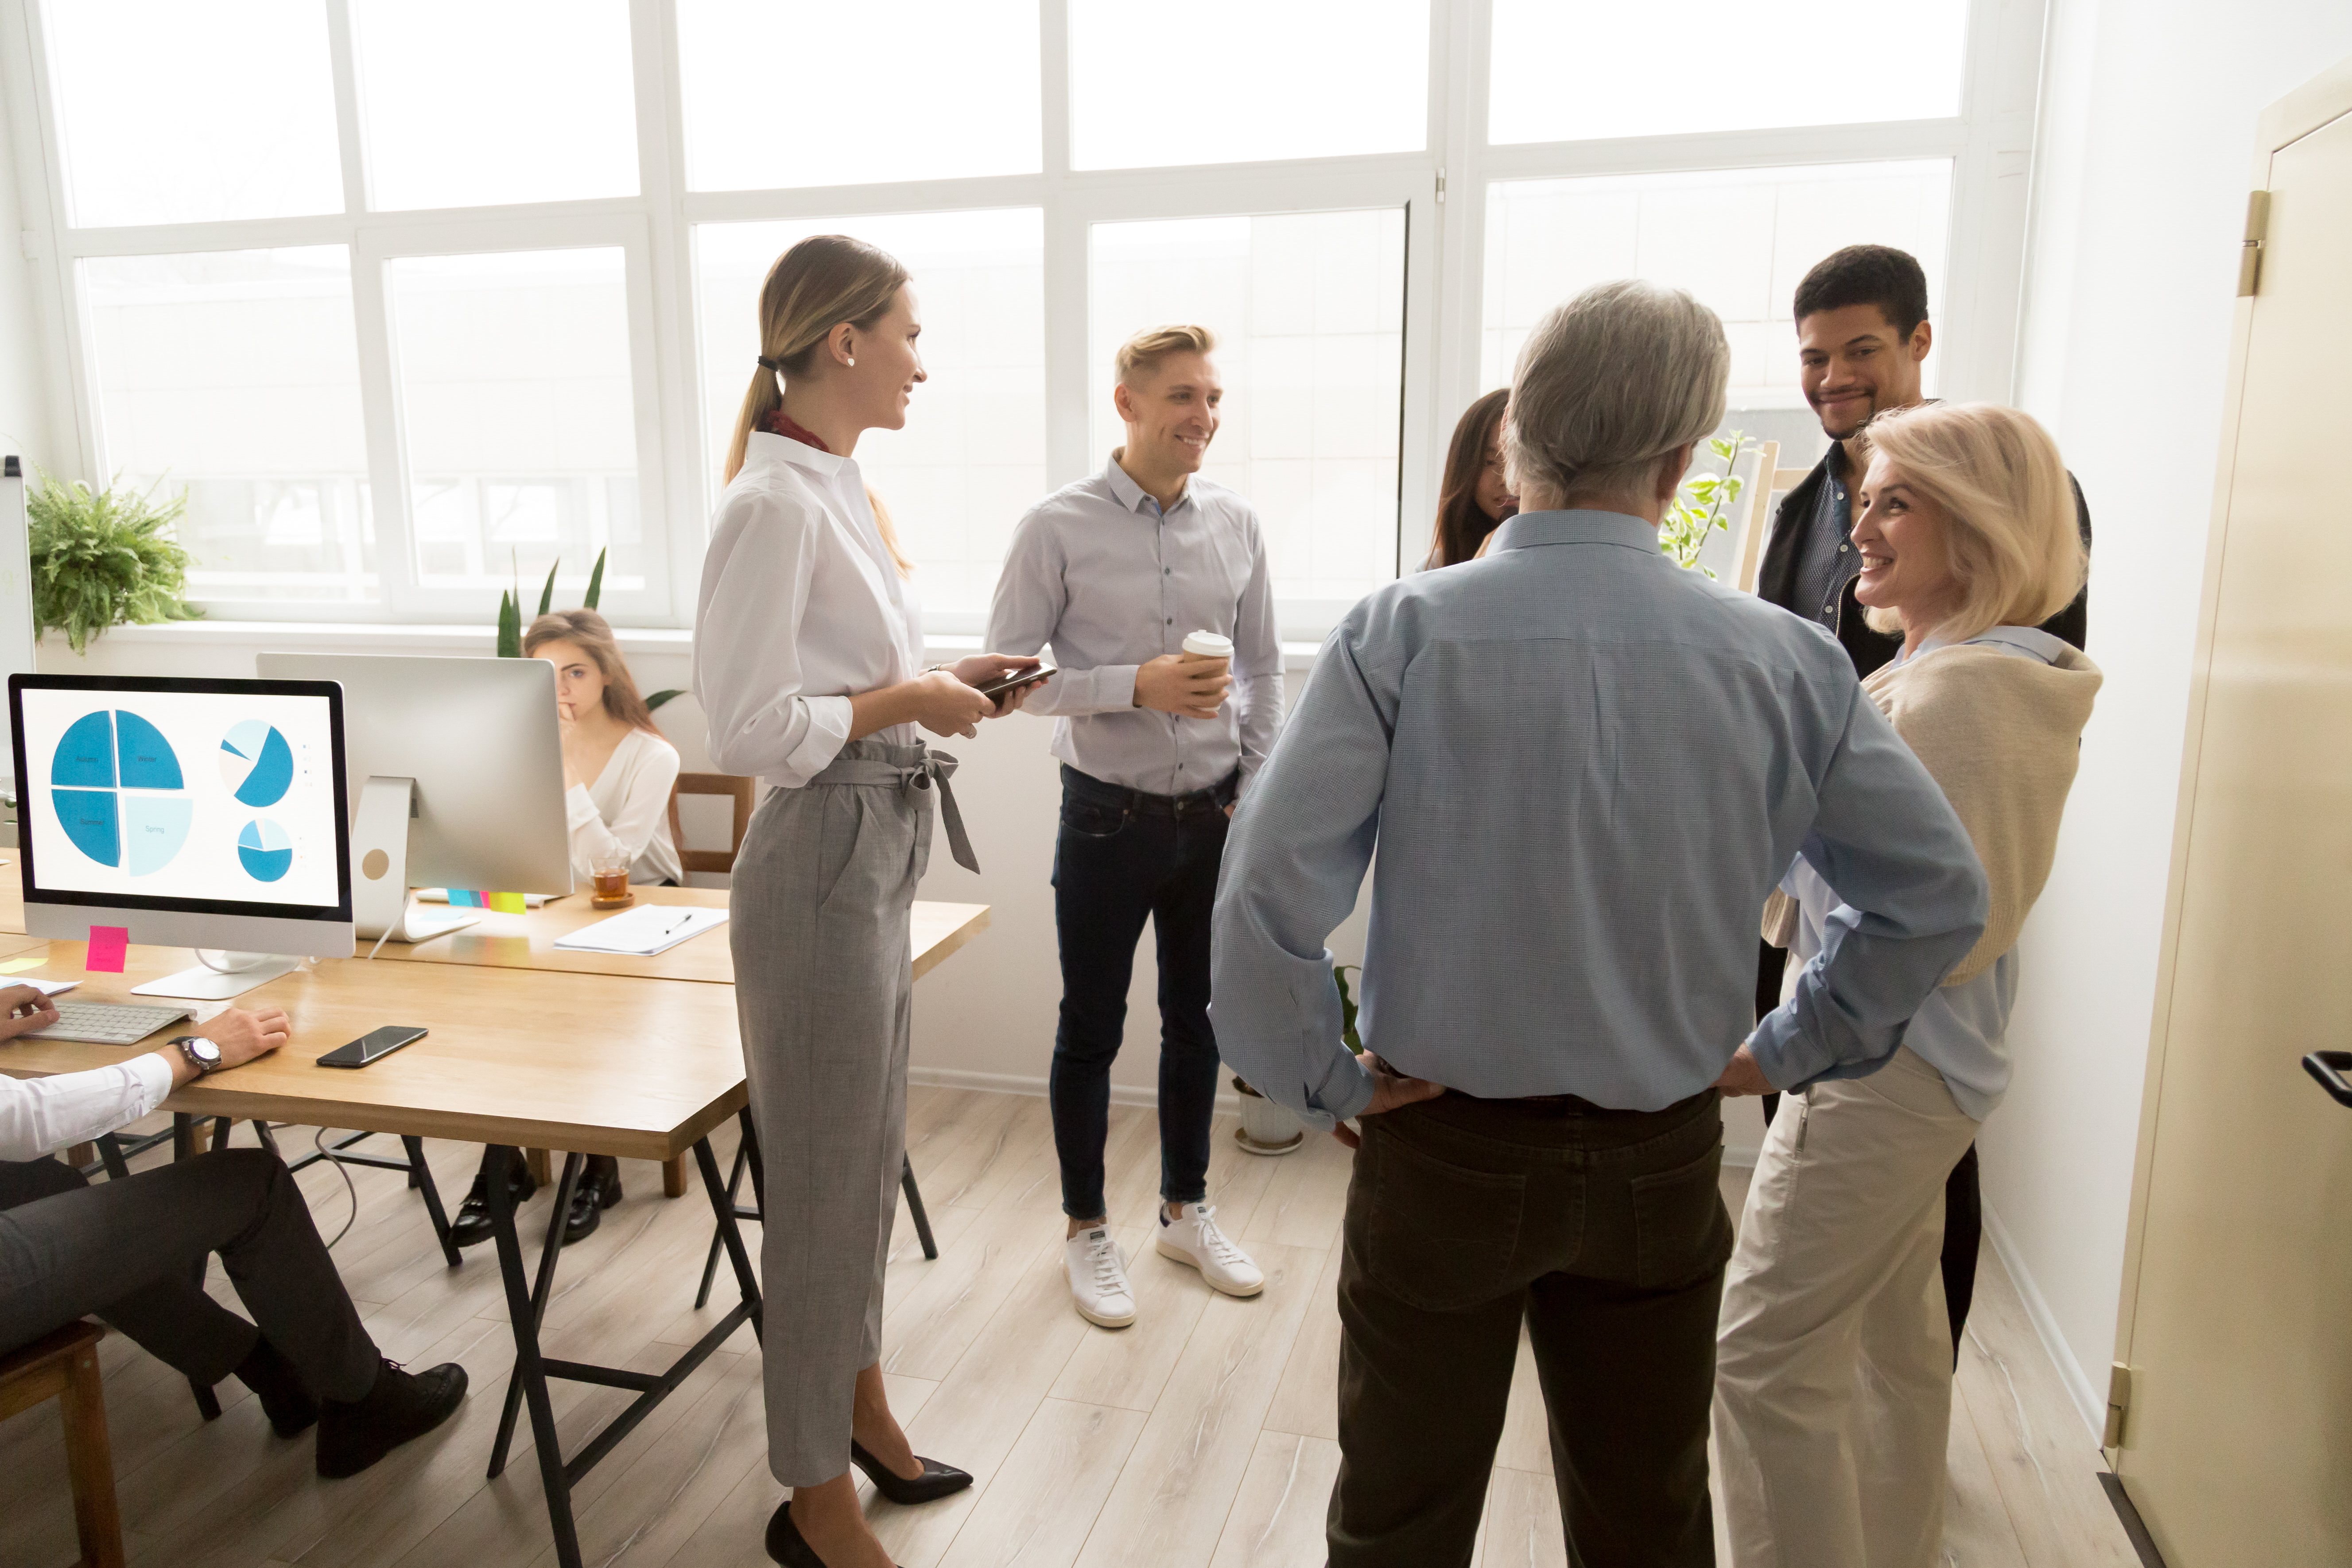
<point x="1441" y="187"/>
<point x="2258" y="228"/>
<point x="2119" y="1382"/>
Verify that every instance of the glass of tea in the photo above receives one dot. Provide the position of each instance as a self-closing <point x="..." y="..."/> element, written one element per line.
<point x="611" y="874"/>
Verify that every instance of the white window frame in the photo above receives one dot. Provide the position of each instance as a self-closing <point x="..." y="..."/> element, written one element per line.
<point x="1442" y="189"/>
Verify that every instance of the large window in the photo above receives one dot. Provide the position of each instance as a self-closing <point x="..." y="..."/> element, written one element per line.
<point x="415" y="298"/>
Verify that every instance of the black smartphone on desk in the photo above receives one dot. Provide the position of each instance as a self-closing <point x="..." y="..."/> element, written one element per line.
<point x="370" y="1046"/>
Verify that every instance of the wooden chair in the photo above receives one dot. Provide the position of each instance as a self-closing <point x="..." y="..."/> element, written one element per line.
<point x="64" y="1367"/>
<point x="1771" y="480"/>
<point x="718" y="861"/>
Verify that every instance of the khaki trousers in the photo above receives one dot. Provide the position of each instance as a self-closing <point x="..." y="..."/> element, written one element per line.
<point x="1833" y="1372"/>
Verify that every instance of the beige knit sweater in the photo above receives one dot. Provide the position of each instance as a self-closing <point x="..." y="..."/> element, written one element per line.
<point x="2002" y="735"/>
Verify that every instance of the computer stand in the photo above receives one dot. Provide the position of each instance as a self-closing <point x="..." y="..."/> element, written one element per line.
<point x="210" y="982"/>
<point x="381" y="907"/>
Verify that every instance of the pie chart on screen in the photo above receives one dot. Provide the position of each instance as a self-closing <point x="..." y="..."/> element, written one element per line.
<point x="257" y="763"/>
<point x="118" y="791"/>
<point x="264" y="850"/>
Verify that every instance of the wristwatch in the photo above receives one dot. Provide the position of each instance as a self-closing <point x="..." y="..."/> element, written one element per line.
<point x="202" y="1054"/>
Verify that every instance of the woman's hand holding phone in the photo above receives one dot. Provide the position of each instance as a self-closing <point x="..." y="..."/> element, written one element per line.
<point x="982" y="668"/>
<point x="946" y="705"/>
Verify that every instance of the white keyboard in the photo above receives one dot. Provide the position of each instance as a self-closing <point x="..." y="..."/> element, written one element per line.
<point x="106" y="1024"/>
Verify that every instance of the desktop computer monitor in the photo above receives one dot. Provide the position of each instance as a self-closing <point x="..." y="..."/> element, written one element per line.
<point x="456" y="780"/>
<point x="203" y="814"/>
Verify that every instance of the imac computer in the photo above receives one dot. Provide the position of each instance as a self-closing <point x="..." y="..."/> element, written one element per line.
<point x="457" y="781"/>
<point x="203" y="814"/>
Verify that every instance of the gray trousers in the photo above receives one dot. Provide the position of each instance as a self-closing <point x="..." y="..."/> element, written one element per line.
<point x="823" y="889"/>
<point x="127" y="1251"/>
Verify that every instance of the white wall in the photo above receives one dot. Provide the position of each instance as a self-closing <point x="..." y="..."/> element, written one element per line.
<point x="2148" y="137"/>
<point x="26" y="384"/>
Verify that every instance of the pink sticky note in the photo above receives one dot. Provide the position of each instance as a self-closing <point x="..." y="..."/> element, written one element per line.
<point x="107" y="948"/>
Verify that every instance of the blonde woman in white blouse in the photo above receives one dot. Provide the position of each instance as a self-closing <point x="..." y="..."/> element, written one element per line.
<point x="808" y="663"/>
<point x="617" y="769"/>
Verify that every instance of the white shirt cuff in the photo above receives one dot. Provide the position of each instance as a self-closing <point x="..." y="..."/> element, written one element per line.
<point x="154" y="1077"/>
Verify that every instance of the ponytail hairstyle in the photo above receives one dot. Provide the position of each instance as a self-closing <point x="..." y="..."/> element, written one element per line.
<point x="593" y="634"/>
<point x="818" y="284"/>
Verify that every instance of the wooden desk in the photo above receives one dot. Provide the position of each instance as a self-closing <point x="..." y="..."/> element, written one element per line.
<point x="600" y="1064"/>
<point x="531" y="1046"/>
<point x="528" y="940"/>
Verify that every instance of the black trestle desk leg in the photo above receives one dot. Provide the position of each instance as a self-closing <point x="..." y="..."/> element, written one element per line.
<point x="719" y="1242"/>
<point x="530" y="1380"/>
<point x="722" y="1208"/>
<point x="915" y="1207"/>
<point x="540" y="1289"/>
<point x="420" y="1176"/>
<point x="109" y="1155"/>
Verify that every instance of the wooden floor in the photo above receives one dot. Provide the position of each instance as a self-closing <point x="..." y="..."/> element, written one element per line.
<point x="1202" y="1437"/>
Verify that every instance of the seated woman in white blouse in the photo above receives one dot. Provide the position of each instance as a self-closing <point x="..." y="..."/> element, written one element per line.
<point x="618" y="773"/>
<point x="617" y="769"/>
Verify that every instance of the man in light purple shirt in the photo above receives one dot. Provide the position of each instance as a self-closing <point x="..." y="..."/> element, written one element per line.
<point x="1115" y="572"/>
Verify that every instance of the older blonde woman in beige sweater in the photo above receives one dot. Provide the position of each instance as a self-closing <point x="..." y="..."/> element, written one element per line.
<point x="1833" y="1370"/>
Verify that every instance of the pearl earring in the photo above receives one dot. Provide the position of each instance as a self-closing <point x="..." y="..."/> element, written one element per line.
<point x="848" y="360"/>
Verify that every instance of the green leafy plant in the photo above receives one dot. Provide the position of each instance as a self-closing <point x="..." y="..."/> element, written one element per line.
<point x="105" y="558"/>
<point x="1703" y="506"/>
<point x="1347" y="1005"/>
<point x="510" y="609"/>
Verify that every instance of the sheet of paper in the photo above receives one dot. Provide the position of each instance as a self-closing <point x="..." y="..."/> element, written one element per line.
<point x="645" y="931"/>
<point x="108" y="947"/>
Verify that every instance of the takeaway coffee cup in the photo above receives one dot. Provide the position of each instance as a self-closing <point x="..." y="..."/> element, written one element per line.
<point x="1207" y="647"/>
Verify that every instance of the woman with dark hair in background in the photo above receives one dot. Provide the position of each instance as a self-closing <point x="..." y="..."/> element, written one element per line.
<point x="1475" y="498"/>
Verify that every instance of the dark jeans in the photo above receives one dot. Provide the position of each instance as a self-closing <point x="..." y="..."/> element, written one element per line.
<point x="1605" y="1230"/>
<point x="1963" y="1197"/>
<point x="1122" y="856"/>
<point x="127" y="1251"/>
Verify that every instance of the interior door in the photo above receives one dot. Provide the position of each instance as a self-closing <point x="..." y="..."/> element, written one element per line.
<point x="2237" y="1326"/>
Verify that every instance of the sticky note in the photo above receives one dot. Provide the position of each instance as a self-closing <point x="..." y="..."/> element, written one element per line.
<point x="508" y="903"/>
<point x="18" y="965"/>
<point x="465" y="898"/>
<point x="106" y="948"/>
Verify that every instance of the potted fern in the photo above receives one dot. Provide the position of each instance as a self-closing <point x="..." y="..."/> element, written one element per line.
<point x="105" y="558"/>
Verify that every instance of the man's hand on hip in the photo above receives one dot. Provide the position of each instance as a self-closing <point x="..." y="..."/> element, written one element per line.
<point x="1743" y="1077"/>
<point x="1390" y="1091"/>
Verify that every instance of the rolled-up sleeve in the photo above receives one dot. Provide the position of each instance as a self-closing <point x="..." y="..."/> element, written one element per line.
<point x="1294" y="862"/>
<point x="1914" y="901"/>
<point x="1258" y="662"/>
<point x="747" y="661"/>
<point x="1031" y="592"/>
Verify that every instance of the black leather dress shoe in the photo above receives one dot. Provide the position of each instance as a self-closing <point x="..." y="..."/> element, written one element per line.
<point x="937" y="1480"/>
<point x="599" y="1189"/>
<point x="403" y="1405"/>
<point x="473" y="1222"/>
<point x="786" y="1544"/>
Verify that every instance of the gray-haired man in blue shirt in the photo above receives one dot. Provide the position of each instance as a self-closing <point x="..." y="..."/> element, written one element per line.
<point x="1584" y="769"/>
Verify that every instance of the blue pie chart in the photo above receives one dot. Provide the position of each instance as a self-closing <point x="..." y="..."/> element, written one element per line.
<point x="267" y="854"/>
<point x="257" y="763"/>
<point x="118" y="792"/>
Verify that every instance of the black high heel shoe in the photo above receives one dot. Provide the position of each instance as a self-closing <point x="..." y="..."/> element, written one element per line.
<point x="786" y="1544"/>
<point x="937" y="1480"/>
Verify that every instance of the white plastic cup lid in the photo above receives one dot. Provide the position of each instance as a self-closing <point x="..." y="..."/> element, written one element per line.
<point x="1207" y="644"/>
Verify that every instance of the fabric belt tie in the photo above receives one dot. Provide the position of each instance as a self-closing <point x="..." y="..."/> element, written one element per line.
<point x="935" y="766"/>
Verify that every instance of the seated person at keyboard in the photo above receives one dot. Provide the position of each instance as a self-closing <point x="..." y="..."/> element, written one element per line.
<point x="618" y="773"/>
<point x="125" y="1250"/>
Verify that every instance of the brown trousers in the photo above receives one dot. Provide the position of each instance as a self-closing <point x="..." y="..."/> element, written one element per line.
<point x="1605" y="1231"/>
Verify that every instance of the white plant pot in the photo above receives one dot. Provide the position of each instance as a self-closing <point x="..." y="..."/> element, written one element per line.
<point x="1266" y="1128"/>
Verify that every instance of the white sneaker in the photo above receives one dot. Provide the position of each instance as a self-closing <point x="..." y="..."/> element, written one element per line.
<point x="1097" y="1272"/>
<point x="1195" y="1239"/>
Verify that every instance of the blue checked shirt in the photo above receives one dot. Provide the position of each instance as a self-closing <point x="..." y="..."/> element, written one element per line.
<point x="1584" y="768"/>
